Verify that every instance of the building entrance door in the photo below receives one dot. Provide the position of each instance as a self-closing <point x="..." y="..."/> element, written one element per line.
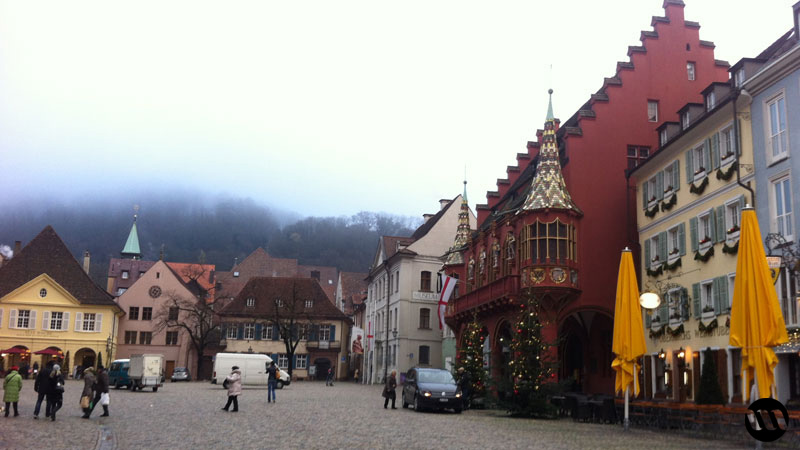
<point x="170" y="368"/>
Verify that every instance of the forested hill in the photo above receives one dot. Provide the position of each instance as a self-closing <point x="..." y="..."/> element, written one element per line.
<point x="217" y="232"/>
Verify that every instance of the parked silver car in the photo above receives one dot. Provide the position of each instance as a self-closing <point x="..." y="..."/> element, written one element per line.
<point x="181" y="374"/>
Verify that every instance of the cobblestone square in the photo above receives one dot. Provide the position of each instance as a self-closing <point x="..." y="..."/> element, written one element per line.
<point x="306" y="415"/>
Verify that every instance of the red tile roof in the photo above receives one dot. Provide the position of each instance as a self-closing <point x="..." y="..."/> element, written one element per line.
<point x="47" y="254"/>
<point x="266" y="289"/>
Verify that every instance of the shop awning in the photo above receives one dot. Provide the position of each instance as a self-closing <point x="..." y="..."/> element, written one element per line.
<point x="49" y="351"/>
<point x="16" y="350"/>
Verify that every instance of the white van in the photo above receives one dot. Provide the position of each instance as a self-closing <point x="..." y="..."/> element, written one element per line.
<point x="252" y="366"/>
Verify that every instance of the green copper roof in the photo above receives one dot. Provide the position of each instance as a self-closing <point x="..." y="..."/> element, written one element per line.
<point x="132" y="245"/>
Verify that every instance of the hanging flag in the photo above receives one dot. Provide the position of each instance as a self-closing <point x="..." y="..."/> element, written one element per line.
<point x="448" y="284"/>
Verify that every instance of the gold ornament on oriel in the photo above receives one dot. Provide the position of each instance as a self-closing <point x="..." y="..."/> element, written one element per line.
<point x="537" y="275"/>
<point x="558" y="275"/>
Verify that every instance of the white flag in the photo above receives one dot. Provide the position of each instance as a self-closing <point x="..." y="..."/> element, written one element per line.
<point x="448" y="284"/>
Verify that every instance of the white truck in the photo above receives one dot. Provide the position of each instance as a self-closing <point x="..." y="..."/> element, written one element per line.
<point x="146" y="371"/>
<point x="252" y="366"/>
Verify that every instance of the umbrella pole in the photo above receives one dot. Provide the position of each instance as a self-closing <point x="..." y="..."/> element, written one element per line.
<point x="627" y="400"/>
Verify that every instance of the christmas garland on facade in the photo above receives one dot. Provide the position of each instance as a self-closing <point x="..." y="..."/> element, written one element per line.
<point x="699" y="189"/>
<point x="704" y="257"/>
<point x="707" y="328"/>
<point x="657" y="334"/>
<point x="655" y="273"/>
<point x="732" y="249"/>
<point x="727" y="174"/>
<point x="651" y="212"/>
<point x="674" y="265"/>
<point x="666" y="206"/>
<point x="676" y="331"/>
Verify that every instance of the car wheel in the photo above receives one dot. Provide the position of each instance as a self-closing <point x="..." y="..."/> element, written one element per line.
<point x="279" y="384"/>
<point x="155" y="388"/>
<point x="117" y="385"/>
<point x="417" y="406"/>
<point x="458" y="410"/>
<point x="405" y="403"/>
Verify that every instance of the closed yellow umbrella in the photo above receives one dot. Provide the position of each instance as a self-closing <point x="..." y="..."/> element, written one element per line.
<point x="756" y="320"/>
<point x="628" y="343"/>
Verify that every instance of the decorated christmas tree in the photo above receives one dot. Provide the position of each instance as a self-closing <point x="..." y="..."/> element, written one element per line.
<point x="709" y="391"/>
<point x="531" y="366"/>
<point x="99" y="359"/>
<point x="65" y="365"/>
<point x="470" y="357"/>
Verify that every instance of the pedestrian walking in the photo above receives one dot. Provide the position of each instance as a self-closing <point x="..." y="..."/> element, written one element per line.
<point x="41" y="386"/>
<point x="465" y="385"/>
<point x="88" y="390"/>
<point x="234" y="384"/>
<point x="100" y="391"/>
<point x="12" y="384"/>
<point x="55" y="392"/>
<point x="329" y="379"/>
<point x="389" y="390"/>
<point x="272" y="381"/>
<point x="355" y="376"/>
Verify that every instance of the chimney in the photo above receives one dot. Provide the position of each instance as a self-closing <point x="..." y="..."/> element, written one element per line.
<point x="86" y="258"/>
<point x="443" y="203"/>
<point x="426" y="217"/>
<point x="17" y="247"/>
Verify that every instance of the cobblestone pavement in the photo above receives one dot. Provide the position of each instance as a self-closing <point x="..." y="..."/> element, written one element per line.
<point x="306" y="415"/>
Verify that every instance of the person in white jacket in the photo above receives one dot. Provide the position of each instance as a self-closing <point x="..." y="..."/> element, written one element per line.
<point x="234" y="383"/>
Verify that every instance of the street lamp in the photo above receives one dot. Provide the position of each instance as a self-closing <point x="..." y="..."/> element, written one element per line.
<point x="649" y="300"/>
<point x="394" y="334"/>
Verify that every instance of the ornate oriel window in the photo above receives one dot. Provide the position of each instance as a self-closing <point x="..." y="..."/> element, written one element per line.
<point x="549" y="242"/>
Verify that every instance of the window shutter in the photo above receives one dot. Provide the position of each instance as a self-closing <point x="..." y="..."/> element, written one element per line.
<point x="693" y="233"/>
<point x="646" y="319"/>
<point x="696" y="299"/>
<point x="32" y="321"/>
<point x="712" y="219"/>
<point x="645" y="199"/>
<point x="715" y="150"/>
<point x="707" y="155"/>
<point x="312" y="335"/>
<point x="741" y="207"/>
<point x="689" y="167"/>
<point x="724" y="295"/>
<point x="259" y="328"/>
<point x="660" y="185"/>
<point x="682" y="238"/>
<point x="721" y="233"/>
<point x="662" y="246"/>
<point x="275" y="332"/>
<point x="646" y="260"/>
<point x="720" y="294"/>
<point x="240" y="332"/>
<point x="333" y="333"/>
<point x="65" y="322"/>
<point x="664" y="313"/>
<point x="46" y="320"/>
<point x="12" y="319"/>
<point x="676" y="175"/>
<point x="684" y="304"/>
<point x="78" y="320"/>
<point x="98" y="322"/>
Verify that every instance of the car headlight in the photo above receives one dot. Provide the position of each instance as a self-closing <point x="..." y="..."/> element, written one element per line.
<point x="458" y="394"/>
<point x="426" y="393"/>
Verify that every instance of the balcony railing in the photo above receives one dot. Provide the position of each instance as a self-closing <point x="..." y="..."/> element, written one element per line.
<point x="324" y="345"/>
<point x="484" y="294"/>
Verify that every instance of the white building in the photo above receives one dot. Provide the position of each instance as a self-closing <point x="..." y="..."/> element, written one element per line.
<point x="402" y="323"/>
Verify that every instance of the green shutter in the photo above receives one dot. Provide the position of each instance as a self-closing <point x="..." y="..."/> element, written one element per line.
<point x="682" y="238"/>
<point x="662" y="246"/>
<point x="259" y="327"/>
<point x="715" y="291"/>
<point x="689" y="167"/>
<point x="696" y="299"/>
<point x="721" y="233"/>
<point x="707" y="155"/>
<point x="684" y="303"/>
<point x="693" y="233"/>
<point x="275" y="332"/>
<point x="712" y="222"/>
<point x="646" y="318"/>
<point x="333" y="333"/>
<point x="676" y="175"/>
<point x="715" y="150"/>
<point x="664" y="312"/>
<point x="647" y="254"/>
<point x="240" y="332"/>
<point x="660" y="185"/>
<point x="724" y="295"/>
<point x="644" y="195"/>
<point x="742" y="202"/>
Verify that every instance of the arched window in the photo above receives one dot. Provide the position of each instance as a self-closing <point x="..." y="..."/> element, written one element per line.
<point x="549" y="242"/>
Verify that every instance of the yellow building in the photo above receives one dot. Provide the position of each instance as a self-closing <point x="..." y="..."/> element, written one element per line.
<point x="51" y="309"/>
<point x="688" y="218"/>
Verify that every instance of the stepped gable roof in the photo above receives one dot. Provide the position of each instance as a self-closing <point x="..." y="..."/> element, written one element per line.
<point x="425" y="227"/>
<point x="266" y="289"/>
<point x="47" y="254"/>
<point x="548" y="189"/>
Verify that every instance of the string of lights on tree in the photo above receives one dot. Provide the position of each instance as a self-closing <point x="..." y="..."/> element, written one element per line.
<point x="470" y="356"/>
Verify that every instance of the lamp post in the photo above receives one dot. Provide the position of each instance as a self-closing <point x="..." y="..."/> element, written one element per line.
<point x="109" y="346"/>
<point x="394" y="334"/>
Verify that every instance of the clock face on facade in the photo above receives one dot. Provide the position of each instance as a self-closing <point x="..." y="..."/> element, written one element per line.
<point x="155" y="292"/>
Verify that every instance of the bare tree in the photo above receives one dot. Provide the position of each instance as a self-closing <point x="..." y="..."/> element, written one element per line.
<point x="293" y="320"/>
<point x="192" y="315"/>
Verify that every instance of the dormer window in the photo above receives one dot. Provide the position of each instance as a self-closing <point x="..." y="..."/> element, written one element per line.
<point x="711" y="101"/>
<point x="738" y="78"/>
<point x="125" y="275"/>
<point x="251" y="302"/>
<point x="690" y="71"/>
<point x="685" y="120"/>
<point x="235" y="274"/>
<point x="663" y="137"/>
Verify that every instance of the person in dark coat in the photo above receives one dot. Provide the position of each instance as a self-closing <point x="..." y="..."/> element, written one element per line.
<point x="465" y="385"/>
<point x="389" y="390"/>
<point x="41" y="386"/>
<point x="100" y="388"/>
<point x="272" y="381"/>
<point x="55" y="391"/>
<point x="88" y="389"/>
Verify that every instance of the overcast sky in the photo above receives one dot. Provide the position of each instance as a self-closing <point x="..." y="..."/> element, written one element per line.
<point x="324" y="108"/>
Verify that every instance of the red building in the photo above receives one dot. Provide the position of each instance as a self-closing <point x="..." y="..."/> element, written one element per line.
<point x="558" y="221"/>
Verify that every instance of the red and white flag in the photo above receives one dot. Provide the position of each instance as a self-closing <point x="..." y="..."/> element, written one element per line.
<point x="448" y="284"/>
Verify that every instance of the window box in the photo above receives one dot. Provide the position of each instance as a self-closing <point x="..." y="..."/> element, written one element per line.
<point x="733" y="233"/>
<point x="675" y="320"/>
<point x="653" y="202"/>
<point x="655" y="263"/>
<point x="673" y="256"/>
<point x="708" y="313"/>
<point x="655" y="323"/>
<point x="699" y="174"/>
<point x="705" y="244"/>
<point x="727" y="158"/>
